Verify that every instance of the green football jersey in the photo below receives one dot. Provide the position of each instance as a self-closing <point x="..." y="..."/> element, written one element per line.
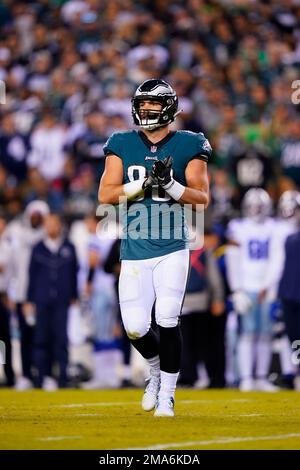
<point x="154" y="224"/>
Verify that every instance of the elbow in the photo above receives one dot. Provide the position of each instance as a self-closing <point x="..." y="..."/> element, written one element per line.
<point x="206" y="200"/>
<point x="103" y="197"/>
<point x="201" y="203"/>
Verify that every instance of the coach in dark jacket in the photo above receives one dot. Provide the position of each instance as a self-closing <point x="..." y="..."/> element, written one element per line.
<point x="289" y="291"/>
<point x="52" y="288"/>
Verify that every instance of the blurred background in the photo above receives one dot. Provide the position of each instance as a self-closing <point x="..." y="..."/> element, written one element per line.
<point x="70" y="69"/>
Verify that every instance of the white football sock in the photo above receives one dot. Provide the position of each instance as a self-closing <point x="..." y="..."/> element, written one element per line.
<point x="167" y="384"/>
<point x="154" y="364"/>
<point x="246" y="356"/>
<point x="263" y="356"/>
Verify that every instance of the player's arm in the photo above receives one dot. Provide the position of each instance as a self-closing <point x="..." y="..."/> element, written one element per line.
<point x="111" y="187"/>
<point x="197" y="189"/>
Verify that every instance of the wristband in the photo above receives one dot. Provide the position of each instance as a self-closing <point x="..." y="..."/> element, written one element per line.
<point x="174" y="189"/>
<point x="132" y="189"/>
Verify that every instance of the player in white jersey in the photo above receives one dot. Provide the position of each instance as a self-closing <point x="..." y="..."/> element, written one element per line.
<point x="247" y="261"/>
<point x="286" y="224"/>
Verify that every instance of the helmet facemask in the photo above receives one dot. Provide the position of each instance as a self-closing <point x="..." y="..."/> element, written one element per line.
<point x="148" y="118"/>
<point x="256" y="212"/>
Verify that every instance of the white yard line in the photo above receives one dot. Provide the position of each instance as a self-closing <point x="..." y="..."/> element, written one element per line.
<point x="58" y="438"/>
<point x="125" y="403"/>
<point x="222" y="440"/>
<point x="234" y="400"/>
<point x="100" y="403"/>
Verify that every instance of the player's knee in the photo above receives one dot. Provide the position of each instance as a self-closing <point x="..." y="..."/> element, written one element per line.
<point x="135" y="324"/>
<point x="136" y="331"/>
<point x="248" y="337"/>
<point x="167" y="312"/>
<point x="264" y="336"/>
<point x="168" y="322"/>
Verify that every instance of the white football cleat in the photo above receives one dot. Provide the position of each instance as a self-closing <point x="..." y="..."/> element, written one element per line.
<point x="23" y="383"/>
<point x="247" y="385"/>
<point x="151" y="392"/>
<point x="92" y="384"/>
<point x="49" y="384"/>
<point x="165" y="408"/>
<point x="297" y="383"/>
<point x="263" y="385"/>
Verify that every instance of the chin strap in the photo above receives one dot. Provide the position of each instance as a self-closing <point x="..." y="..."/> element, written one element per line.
<point x="178" y="112"/>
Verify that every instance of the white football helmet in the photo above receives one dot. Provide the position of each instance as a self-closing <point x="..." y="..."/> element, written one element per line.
<point x="256" y="204"/>
<point x="288" y="204"/>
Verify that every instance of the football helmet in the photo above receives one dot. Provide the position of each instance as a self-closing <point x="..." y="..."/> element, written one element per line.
<point x="256" y="204"/>
<point x="288" y="204"/>
<point x="155" y="90"/>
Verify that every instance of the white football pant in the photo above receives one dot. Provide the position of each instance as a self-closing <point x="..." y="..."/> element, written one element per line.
<point x="162" y="279"/>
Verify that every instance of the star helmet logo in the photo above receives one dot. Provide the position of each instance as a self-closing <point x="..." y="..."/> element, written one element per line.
<point x="153" y="148"/>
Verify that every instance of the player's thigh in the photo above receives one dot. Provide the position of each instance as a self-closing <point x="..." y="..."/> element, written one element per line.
<point x="170" y="278"/>
<point x="136" y="295"/>
<point x="264" y="319"/>
<point x="248" y="321"/>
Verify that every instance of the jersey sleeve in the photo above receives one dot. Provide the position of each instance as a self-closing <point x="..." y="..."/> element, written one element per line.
<point x="113" y="146"/>
<point x="233" y="231"/>
<point x="201" y="148"/>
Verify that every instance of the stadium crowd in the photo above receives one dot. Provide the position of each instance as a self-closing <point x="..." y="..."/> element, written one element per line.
<point x="70" y="69"/>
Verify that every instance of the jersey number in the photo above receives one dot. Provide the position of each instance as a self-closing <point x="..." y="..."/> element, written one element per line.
<point x="156" y="193"/>
<point x="258" y="249"/>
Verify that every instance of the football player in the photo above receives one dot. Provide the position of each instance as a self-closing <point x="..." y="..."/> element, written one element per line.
<point x="287" y="223"/>
<point x="155" y="167"/>
<point x="247" y="261"/>
<point x="288" y="289"/>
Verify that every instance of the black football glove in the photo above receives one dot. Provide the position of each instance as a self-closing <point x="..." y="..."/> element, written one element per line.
<point x="161" y="171"/>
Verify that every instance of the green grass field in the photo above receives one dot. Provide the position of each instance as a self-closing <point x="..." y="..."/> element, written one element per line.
<point x="75" y="419"/>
